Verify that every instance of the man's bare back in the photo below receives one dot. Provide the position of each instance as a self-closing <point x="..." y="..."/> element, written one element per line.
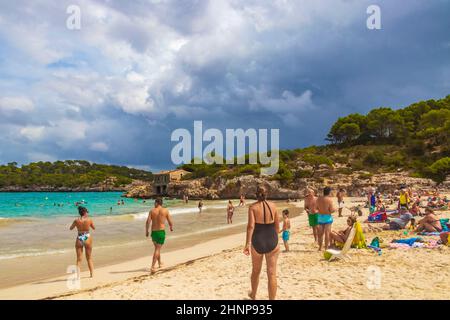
<point x="324" y="205"/>
<point x="159" y="216"/>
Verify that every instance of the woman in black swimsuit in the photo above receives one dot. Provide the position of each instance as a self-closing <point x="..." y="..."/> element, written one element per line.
<point x="262" y="241"/>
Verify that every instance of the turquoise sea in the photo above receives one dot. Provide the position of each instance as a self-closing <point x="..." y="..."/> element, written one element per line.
<point x="50" y="204"/>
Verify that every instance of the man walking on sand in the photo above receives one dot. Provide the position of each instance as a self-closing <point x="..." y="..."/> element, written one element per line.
<point x="310" y="208"/>
<point x="325" y="207"/>
<point x="157" y="218"/>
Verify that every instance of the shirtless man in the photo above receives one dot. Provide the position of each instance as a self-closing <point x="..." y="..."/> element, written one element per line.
<point x="310" y="208"/>
<point x="242" y="201"/>
<point x="340" y="199"/>
<point x="84" y="238"/>
<point x="325" y="208"/>
<point x="157" y="218"/>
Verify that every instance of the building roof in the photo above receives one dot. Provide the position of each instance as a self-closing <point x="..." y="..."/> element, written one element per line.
<point x="170" y="171"/>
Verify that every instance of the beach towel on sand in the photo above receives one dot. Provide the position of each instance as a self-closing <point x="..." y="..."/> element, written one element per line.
<point x="379" y="216"/>
<point x="359" y="241"/>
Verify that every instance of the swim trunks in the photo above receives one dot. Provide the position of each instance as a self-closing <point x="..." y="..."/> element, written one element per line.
<point x="159" y="236"/>
<point x="313" y="219"/>
<point x="325" y="219"/>
<point x="285" y="235"/>
<point x="341" y="204"/>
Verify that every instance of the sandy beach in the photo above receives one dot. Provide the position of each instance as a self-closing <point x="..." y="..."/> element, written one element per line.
<point x="217" y="269"/>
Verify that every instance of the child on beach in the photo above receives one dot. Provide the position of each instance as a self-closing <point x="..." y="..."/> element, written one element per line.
<point x="84" y="238"/>
<point x="286" y="229"/>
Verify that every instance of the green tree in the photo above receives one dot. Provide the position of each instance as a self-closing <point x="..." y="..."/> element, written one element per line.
<point x="440" y="169"/>
<point x="316" y="161"/>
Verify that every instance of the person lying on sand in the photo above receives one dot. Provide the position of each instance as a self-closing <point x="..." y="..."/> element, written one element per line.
<point x="341" y="236"/>
<point x="430" y="222"/>
<point x="84" y="239"/>
<point x="400" y="222"/>
<point x="157" y="218"/>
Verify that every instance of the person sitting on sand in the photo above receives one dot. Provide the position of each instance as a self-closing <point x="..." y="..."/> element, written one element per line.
<point x="262" y="241"/>
<point x="415" y="210"/>
<point x="430" y="223"/>
<point x="84" y="239"/>
<point x="341" y="236"/>
<point x="157" y="218"/>
<point x="325" y="208"/>
<point x="310" y="208"/>
<point x="380" y="205"/>
<point x="230" y="211"/>
<point x="286" y="232"/>
<point x="400" y="222"/>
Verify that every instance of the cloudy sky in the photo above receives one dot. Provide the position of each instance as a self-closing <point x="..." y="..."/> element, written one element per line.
<point x="113" y="91"/>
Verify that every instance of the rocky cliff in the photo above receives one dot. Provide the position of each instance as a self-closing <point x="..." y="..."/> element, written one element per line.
<point x="222" y="188"/>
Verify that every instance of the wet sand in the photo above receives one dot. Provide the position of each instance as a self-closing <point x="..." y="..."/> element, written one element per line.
<point x="128" y="243"/>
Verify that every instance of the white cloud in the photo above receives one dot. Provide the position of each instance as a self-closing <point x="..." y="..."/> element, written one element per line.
<point x="18" y="103"/>
<point x="39" y="156"/>
<point x="33" y="133"/>
<point x="99" y="146"/>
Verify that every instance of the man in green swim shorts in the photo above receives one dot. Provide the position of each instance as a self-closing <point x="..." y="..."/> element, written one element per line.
<point x="157" y="218"/>
<point x="310" y="208"/>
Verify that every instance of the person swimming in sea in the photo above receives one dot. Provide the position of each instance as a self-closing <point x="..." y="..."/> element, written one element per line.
<point x="84" y="239"/>
<point x="156" y="221"/>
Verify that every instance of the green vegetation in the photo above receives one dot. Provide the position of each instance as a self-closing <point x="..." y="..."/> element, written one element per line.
<point x="415" y="139"/>
<point x="69" y="174"/>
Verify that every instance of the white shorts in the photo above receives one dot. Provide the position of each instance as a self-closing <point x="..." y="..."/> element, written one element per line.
<point x="341" y="204"/>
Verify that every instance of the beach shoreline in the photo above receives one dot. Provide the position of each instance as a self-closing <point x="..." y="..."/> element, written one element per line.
<point x="217" y="269"/>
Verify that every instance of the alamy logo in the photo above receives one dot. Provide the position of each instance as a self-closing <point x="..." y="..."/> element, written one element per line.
<point x="235" y="141"/>
<point x="374" y="20"/>
<point x="73" y="21"/>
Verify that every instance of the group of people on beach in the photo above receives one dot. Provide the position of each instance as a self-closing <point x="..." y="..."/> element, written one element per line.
<point x="263" y="227"/>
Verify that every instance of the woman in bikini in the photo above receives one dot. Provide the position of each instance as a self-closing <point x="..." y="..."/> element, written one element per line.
<point x="230" y="211"/>
<point x="84" y="238"/>
<point x="430" y="223"/>
<point x="262" y="241"/>
<point x="341" y="236"/>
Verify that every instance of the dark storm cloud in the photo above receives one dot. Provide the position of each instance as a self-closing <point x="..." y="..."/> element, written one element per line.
<point x="114" y="91"/>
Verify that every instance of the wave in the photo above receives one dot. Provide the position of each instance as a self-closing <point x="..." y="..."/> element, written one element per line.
<point x="176" y="211"/>
<point x="32" y="253"/>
